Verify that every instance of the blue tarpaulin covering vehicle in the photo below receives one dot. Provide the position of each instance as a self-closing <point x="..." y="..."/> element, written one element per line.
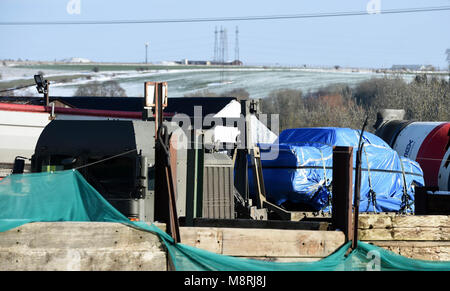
<point x="297" y="168"/>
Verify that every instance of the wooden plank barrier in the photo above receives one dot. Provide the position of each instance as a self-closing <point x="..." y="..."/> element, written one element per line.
<point x="425" y="237"/>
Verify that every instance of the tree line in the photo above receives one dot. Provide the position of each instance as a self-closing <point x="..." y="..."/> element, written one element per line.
<point x="339" y="105"/>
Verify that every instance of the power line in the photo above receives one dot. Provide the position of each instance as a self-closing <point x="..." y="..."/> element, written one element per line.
<point x="234" y="18"/>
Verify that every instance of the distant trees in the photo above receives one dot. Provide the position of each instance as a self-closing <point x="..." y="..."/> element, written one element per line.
<point x="339" y="105"/>
<point x="423" y="99"/>
<point x="106" y="89"/>
<point x="201" y="93"/>
<point x="329" y="109"/>
<point x="238" y="93"/>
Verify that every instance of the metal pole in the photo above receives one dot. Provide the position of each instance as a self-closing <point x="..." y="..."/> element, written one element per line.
<point x="358" y="186"/>
<point x="356" y="199"/>
<point x="46" y="91"/>
<point x="174" y="226"/>
<point x="166" y="191"/>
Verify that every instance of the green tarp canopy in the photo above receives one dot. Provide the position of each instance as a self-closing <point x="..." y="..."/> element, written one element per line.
<point x="66" y="196"/>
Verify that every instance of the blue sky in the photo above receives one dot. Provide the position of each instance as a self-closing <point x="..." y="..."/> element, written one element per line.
<point x="361" y="41"/>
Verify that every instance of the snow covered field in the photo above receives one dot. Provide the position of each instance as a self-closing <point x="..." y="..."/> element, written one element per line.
<point x="259" y="82"/>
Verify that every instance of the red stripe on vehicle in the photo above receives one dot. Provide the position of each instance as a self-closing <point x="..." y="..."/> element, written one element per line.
<point x="74" y="111"/>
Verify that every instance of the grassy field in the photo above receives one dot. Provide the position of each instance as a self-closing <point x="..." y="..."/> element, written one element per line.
<point x="186" y="79"/>
<point x="89" y="69"/>
<point x="24" y="82"/>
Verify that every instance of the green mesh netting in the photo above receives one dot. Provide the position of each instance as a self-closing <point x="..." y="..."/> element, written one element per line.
<point x="66" y="196"/>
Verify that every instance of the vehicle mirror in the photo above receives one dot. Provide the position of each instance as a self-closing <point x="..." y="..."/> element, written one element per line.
<point x="19" y="165"/>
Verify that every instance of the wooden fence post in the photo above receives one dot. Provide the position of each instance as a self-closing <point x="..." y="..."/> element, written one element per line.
<point x="342" y="217"/>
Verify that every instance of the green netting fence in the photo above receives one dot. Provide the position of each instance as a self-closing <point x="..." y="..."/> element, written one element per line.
<point x="66" y="196"/>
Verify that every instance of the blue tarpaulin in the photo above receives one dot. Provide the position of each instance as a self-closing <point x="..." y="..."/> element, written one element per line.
<point x="301" y="170"/>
